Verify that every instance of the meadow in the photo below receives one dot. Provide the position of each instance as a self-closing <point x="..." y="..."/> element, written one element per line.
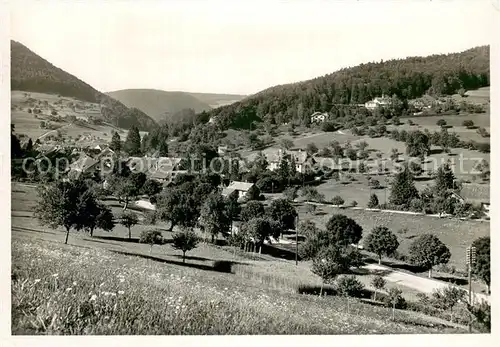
<point x="67" y="289"/>
<point x="456" y="234"/>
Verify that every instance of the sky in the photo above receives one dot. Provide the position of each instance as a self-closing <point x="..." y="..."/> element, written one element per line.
<point x="239" y="47"/>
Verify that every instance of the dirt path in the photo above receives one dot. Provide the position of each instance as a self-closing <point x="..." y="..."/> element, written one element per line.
<point x="422" y="284"/>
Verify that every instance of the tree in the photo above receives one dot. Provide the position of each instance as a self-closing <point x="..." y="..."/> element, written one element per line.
<point x="116" y="142"/>
<point x="349" y="286"/>
<point x="403" y="189"/>
<point x="62" y="204"/>
<point x="373" y="202"/>
<point x="394" y="298"/>
<point x="444" y="181"/>
<point x="286" y="144"/>
<point x="184" y="240"/>
<point x="252" y="209"/>
<point x="484" y="168"/>
<point x="441" y="122"/>
<point x="481" y="268"/>
<point x="482" y="315"/>
<point x="378" y="282"/>
<point x="311" y="148"/>
<point x="447" y="298"/>
<point x="307" y="228"/>
<point x="381" y="241"/>
<point x="351" y="154"/>
<point x="311" y="194"/>
<point x="343" y="230"/>
<point x="337" y="200"/>
<point x="132" y="144"/>
<point x="213" y="216"/>
<point x="468" y="123"/>
<point x="290" y="193"/>
<point x="283" y="212"/>
<point x="417" y="143"/>
<point x="233" y="208"/>
<point x="394" y="154"/>
<point x="258" y="229"/>
<point x="95" y="215"/>
<point x="151" y="237"/>
<point x="128" y="220"/>
<point x="152" y="187"/>
<point x="427" y="251"/>
<point x="327" y="266"/>
<point x="179" y="205"/>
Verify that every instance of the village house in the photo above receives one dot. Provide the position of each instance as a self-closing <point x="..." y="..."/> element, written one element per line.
<point x="303" y="161"/>
<point x="241" y="187"/>
<point x="222" y="150"/>
<point x="84" y="164"/>
<point x="319" y="117"/>
<point x="165" y="169"/>
<point x="378" y="102"/>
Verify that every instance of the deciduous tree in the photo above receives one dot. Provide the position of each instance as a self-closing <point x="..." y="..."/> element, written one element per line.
<point x="427" y="251"/>
<point x="381" y="241"/>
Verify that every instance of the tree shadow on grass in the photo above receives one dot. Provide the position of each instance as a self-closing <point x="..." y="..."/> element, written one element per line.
<point x="188" y="257"/>
<point x="218" y="266"/>
<point x="126" y="239"/>
<point x="15" y="228"/>
<point x="453" y="280"/>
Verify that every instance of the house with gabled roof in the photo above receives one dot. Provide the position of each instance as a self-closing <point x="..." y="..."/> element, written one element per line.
<point x="378" y="102"/>
<point x="242" y="188"/>
<point x="303" y="161"/>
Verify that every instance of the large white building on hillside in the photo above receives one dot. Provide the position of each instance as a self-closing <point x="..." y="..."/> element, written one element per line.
<point x="378" y="102"/>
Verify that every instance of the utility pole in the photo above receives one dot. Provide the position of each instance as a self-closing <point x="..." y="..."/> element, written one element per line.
<point x="297" y="240"/>
<point x="470" y="255"/>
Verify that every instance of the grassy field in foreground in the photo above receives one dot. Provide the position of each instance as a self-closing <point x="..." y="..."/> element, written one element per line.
<point x="65" y="289"/>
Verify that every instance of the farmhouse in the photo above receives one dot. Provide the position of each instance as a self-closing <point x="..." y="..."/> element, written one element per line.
<point x="241" y="187"/>
<point x="318" y="117"/>
<point x="85" y="164"/>
<point x="165" y="169"/>
<point x="378" y="102"/>
<point x="303" y="161"/>
<point x="221" y="150"/>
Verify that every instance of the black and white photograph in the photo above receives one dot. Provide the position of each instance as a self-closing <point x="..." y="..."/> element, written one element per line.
<point x="250" y="168"/>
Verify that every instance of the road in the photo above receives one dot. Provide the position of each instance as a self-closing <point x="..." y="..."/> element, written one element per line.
<point x="422" y="284"/>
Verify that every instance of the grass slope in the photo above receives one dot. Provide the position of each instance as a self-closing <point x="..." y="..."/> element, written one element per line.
<point x="30" y="72"/>
<point x="158" y="104"/>
<point x="60" y="289"/>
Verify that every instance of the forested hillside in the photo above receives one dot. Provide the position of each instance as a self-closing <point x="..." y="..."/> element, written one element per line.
<point x="30" y="72"/>
<point x="158" y="104"/>
<point x="408" y="78"/>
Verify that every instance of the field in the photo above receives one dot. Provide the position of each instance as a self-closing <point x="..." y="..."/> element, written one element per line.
<point x="455" y="234"/>
<point x="29" y="125"/>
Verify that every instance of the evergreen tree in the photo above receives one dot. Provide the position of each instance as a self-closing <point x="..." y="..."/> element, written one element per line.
<point x="116" y="142"/>
<point x="403" y="189"/>
<point x="445" y="180"/>
<point x="132" y="144"/>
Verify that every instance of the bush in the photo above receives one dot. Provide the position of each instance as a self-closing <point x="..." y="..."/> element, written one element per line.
<point x="468" y="123"/>
<point x="328" y="126"/>
<point x="354" y="203"/>
<point x="374" y="184"/>
<point x="394" y="297"/>
<point x="417" y="205"/>
<point x="337" y="200"/>
<point x="349" y="286"/>
<point x="373" y="202"/>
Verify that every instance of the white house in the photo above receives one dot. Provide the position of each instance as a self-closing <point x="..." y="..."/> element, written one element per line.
<point x="241" y="187"/>
<point x="378" y="102"/>
<point x="301" y="158"/>
<point x="318" y="117"/>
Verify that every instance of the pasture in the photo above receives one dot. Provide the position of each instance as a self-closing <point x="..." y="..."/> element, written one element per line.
<point x="29" y="124"/>
<point x="456" y="234"/>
